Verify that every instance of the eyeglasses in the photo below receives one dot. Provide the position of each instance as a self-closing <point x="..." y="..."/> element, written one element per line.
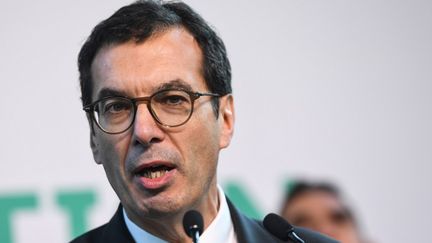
<point x="170" y="108"/>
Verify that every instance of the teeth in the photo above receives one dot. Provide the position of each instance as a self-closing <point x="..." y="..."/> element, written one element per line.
<point x="154" y="174"/>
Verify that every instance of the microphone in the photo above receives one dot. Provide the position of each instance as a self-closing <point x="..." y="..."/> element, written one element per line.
<point x="280" y="228"/>
<point x="193" y="224"/>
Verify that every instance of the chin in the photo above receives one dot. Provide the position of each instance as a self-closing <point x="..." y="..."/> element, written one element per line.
<point x="160" y="206"/>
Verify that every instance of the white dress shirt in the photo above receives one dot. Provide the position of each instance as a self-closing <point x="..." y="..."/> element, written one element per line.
<point x="220" y="230"/>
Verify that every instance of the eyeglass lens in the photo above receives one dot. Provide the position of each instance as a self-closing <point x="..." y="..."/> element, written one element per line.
<point x="169" y="107"/>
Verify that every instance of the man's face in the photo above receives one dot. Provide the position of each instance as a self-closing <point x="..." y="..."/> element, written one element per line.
<point x="183" y="159"/>
<point x="323" y="212"/>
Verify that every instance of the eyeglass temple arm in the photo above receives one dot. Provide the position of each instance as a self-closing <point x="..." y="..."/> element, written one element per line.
<point x="207" y="94"/>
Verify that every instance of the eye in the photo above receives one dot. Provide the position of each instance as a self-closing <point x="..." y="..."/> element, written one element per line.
<point x="301" y="220"/>
<point x="340" y="217"/>
<point x="172" y="98"/>
<point x="116" y="106"/>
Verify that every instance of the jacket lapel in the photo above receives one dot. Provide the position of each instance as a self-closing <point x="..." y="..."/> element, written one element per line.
<point x="248" y="230"/>
<point x="116" y="230"/>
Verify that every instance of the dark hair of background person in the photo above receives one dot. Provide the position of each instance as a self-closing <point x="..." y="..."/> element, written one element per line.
<point x="344" y="225"/>
<point x="300" y="187"/>
<point x="145" y="18"/>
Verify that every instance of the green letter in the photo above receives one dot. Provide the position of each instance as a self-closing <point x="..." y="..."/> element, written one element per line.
<point x="76" y="205"/>
<point x="9" y="204"/>
<point x="237" y="194"/>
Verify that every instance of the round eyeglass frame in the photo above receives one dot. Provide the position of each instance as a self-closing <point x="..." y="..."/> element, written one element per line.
<point x="90" y="108"/>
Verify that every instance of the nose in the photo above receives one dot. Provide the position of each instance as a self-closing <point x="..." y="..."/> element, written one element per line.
<point x="146" y="130"/>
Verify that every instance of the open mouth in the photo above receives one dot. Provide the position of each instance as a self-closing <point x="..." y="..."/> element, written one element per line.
<point x="155" y="175"/>
<point x="154" y="171"/>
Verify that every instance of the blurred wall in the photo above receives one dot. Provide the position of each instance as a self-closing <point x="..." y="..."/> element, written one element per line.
<point x="327" y="89"/>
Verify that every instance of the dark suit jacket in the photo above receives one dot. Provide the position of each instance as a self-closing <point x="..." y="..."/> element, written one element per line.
<point x="247" y="231"/>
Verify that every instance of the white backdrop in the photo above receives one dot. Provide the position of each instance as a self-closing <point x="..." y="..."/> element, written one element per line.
<point x="330" y="89"/>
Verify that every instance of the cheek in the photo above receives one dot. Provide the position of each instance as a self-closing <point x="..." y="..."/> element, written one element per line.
<point x="348" y="235"/>
<point x="114" y="166"/>
<point x="207" y="137"/>
<point x="202" y="145"/>
<point x="113" y="152"/>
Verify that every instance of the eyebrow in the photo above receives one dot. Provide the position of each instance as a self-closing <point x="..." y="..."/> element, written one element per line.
<point x="107" y="92"/>
<point x="173" y="84"/>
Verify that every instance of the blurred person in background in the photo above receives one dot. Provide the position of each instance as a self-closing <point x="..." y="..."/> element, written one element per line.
<point x="320" y="206"/>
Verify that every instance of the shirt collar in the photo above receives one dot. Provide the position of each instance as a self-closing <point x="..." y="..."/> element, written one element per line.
<point x="220" y="229"/>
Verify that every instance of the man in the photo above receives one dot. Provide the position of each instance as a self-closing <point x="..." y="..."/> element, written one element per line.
<point x="319" y="206"/>
<point x="155" y="82"/>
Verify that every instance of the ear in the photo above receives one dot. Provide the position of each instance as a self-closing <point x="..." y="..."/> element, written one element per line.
<point x="226" y="120"/>
<point x="95" y="149"/>
<point x="93" y="143"/>
<point x="91" y="124"/>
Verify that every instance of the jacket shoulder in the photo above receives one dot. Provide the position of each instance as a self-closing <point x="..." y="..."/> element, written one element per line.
<point x="250" y="230"/>
<point x="112" y="232"/>
<point x="92" y="236"/>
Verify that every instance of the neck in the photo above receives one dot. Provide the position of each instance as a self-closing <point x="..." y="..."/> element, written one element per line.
<point x="169" y="226"/>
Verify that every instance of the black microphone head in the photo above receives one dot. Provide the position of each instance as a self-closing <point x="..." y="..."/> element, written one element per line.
<point x="193" y="222"/>
<point x="278" y="226"/>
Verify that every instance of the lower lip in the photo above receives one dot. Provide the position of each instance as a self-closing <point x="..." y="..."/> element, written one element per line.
<point x="156" y="183"/>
